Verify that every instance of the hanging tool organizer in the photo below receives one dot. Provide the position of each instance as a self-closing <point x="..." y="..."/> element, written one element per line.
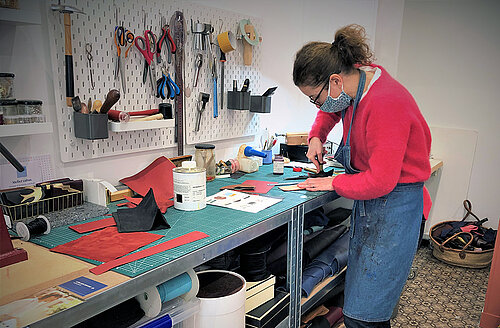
<point x="94" y="76"/>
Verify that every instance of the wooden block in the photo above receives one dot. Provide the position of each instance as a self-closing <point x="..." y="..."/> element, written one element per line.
<point x="42" y="270"/>
<point x="120" y="194"/>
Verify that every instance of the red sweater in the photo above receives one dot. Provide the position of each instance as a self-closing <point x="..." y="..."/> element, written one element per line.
<point x="390" y="142"/>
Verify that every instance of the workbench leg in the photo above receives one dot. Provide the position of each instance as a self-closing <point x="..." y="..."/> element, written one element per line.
<point x="294" y="264"/>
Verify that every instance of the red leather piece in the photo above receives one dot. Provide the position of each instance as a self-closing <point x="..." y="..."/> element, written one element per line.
<point x="106" y="244"/>
<point x="158" y="175"/>
<point x="94" y="225"/>
<point x="182" y="240"/>
<point x="261" y="187"/>
<point x="134" y="201"/>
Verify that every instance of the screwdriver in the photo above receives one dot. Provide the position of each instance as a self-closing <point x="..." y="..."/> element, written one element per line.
<point x="222" y="59"/>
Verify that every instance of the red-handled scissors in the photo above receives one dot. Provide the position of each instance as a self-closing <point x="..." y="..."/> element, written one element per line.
<point x="147" y="47"/>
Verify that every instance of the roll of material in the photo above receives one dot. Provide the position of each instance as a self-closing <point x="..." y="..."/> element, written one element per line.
<point x="227" y="41"/>
<point x="222" y="299"/>
<point x="185" y="285"/>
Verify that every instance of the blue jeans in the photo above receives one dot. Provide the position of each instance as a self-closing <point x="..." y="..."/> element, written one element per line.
<point x="384" y="237"/>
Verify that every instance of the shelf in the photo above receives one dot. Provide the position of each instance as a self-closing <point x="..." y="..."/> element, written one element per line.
<point x="20" y="17"/>
<point x="11" y="130"/>
<point x="141" y="125"/>
<point x="321" y="290"/>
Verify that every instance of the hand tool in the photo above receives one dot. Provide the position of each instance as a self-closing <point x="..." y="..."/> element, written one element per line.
<point x="222" y="60"/>
<point x="165" y="39"/>
<point x="76" y="103"/>
<point x="121" y="116"/>
<point x="68" y="49"/>
<point x="245" y="86"/>
<point x="88" y="52"/>
<point x="177" y="22"/>
<point x="85" y="109"/>
<point x="197" y="31"/>
<point x="282" y="184"/>
<point x="147" y="118"/>
<point x="202" y="102"/>
<point x="123" y="41"/>
<point x="198" y="63"/>
<point x="111" y="98"/>
<point x="89" y="104"/>
<point x="238" y="187"/>
<point x="96" y="106"/>
<point x="299" y="177"/>
<point x="147" y="47"/>
<point x="166" y="82"/>
<point x="214" y="76"/>
<point x="269" y="92"/>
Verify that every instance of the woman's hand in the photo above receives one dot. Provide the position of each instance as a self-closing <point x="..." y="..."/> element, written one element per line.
<point x="317" y="184"/>
<point x="315" y="152"/>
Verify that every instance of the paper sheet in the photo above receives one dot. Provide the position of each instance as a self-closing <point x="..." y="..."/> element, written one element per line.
<point x="241" y="201"/>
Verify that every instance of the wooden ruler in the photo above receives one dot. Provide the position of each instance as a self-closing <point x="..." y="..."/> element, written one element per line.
<point x="177" y="22"/>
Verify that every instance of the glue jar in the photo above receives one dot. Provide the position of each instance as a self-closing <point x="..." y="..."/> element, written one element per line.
<point x="204" y="156"/>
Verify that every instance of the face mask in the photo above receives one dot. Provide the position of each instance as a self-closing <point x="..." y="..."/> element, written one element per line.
<point x="333" y="105"/>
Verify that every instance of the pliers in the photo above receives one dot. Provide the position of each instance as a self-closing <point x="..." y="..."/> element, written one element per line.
<point x="166" y="82"/>
<point x="165" y="38"/>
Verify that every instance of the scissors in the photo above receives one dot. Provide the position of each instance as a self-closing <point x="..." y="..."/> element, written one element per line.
<point x="123" y="41"/>
<point x="147" y="47"/>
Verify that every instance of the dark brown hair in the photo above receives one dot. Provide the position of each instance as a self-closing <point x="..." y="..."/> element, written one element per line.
<point x="316" y="61"/>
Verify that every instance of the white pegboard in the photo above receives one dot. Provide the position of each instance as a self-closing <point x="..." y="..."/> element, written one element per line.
<point x="97" y="27"/>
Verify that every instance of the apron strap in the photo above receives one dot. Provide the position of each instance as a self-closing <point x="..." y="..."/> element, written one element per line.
<point x="359" y="94"/>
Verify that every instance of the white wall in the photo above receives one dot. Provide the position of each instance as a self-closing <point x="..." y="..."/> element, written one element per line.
<point x="448" y="59"/>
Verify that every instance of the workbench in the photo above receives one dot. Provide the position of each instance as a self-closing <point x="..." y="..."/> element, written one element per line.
<point x="290" y="212"/>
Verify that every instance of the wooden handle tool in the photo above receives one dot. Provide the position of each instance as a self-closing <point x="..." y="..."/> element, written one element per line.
<point x="112" y="97"/>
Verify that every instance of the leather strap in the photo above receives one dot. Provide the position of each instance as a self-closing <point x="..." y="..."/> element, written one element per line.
<point x="179" y="241"/>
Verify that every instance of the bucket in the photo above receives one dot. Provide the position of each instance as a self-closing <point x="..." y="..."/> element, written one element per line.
<point x="190" y="187"/>
<point x="222" y="299"/>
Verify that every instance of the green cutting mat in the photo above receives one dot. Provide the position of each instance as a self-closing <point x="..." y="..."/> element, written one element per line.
<point x="217" y="222"/>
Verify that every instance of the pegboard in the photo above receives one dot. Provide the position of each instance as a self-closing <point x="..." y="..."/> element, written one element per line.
<point x="97" y="28"/>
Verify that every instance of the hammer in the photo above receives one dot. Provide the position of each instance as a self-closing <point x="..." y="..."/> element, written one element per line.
<point x="68" y="49"/>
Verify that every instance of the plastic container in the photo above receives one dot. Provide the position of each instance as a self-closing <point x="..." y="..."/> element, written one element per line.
<point x="8" y="110"/>
<point x="179" y="312"/>
<point x="29" y="107"/>
<point x="269" y="156"/>
<point x="222" y="299"/>
<point x="204" y="156"/>
<point x="260" y="104"/>
<point x="6" y="85"/>
<point x="91" y="126"/>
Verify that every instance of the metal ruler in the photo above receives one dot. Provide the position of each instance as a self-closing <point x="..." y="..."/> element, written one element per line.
<point x="177" y="22"/>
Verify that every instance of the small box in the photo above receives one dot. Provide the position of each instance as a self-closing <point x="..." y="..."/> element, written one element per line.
<point x="238" y="100"/>
<point x="259" y="292"/>
<point x="91" y="126"/>
<point x="269" y="314"/>
<point x="260" y="104"/>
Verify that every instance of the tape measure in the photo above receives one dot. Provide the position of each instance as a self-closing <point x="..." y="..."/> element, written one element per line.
<point x="177" y="21"/>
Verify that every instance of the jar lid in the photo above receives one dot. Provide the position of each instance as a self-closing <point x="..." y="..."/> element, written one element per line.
<point x="8" y="102"/>
<point x="188" y="164"/>
<point x="204" y="146"/>
<point x="6" y="74"/>
<point x="29" y="102"/>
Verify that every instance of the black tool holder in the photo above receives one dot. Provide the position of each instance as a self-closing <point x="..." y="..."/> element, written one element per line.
<point x="91" y="126"/>
<point x="238" y="100"/>
<point x="260" y="104"/>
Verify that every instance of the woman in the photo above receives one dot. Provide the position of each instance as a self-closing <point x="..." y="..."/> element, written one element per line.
<point x="385" y="151"/>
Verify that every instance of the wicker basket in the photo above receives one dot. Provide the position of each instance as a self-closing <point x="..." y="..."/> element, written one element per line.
<point x="463" y="257"/>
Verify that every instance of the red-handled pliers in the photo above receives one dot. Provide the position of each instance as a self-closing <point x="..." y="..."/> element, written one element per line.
<point x="166" y="38"/>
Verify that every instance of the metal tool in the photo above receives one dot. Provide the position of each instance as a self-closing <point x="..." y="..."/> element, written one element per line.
<point x="177" y="23"/>
<point x="147" y="47"/>
<point x="166" y="82"/>
<point x="202" y="102"/>
<point x="123" y="41"/>
<point x="165" y="39"/>
<point x="90" y="58"/>
<point x="68" y="49"/>
<point x="197" y="31"/>
<point x="222" y="60"/>
<point x="214" y="76"/>
<point x="238" y="187"/>
<point x="198" y="63"/>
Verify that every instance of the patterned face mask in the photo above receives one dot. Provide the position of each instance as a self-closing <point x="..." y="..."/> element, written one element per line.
<point x="334" y="105"/>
